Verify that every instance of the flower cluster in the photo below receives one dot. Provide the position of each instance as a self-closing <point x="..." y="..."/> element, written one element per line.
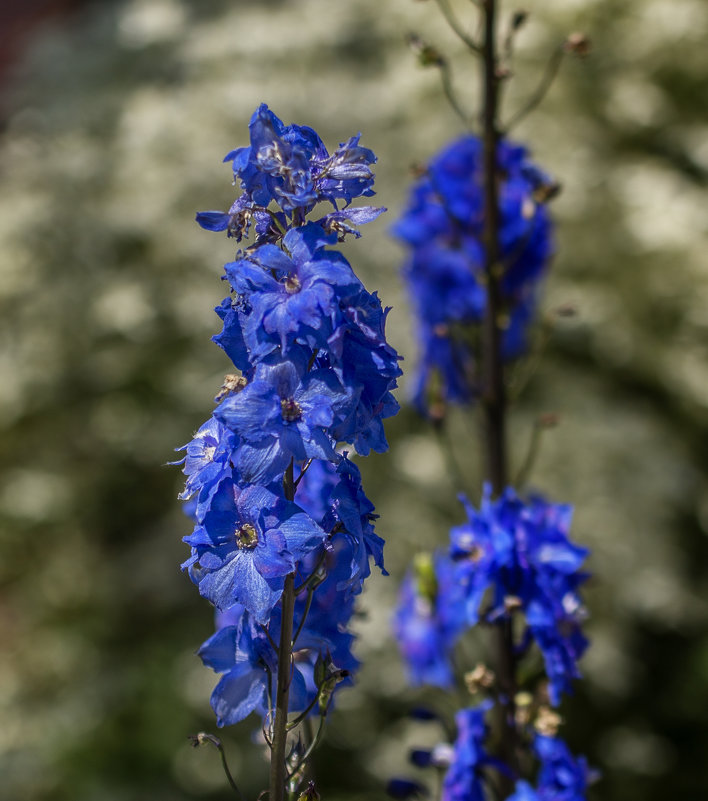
<point x="509" y="557"/>
<point x="511" y="560"/>
<point x="467" y="763"/>
<point x="270" y="493"/>
<point x="443" y="227"/>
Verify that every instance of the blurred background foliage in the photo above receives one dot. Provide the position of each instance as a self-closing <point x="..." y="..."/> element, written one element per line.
<point x="115" y="119"/>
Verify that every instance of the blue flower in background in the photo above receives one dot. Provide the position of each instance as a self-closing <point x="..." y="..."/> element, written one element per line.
<point x="463" y="780"/>
<point x="429" y="618"/>
<point x="521" y="551"/>
<point x="562" y="776"/>
<point x="443" y="225"/>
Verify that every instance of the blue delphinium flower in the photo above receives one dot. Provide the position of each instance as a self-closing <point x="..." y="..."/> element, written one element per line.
<point x="241" y="651"/>
<point x="521" y="551"/>
<point x="463" y="780"/>
<point x="270" y="494"/>
<point x="562" y="777"/>
<point x="289" y="166"/>
<point x="293" y="293"/>
<point x="207" y="462"/>
<point x="249" y="540"/>
<point x="429" y="619"/>
<point x="283" y="414"/>
<point x="443" y="225"/>
<point x="333" y="495"/>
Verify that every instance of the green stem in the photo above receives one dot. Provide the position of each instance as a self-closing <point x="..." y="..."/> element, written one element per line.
<point x="308" y="604"/>
<point x="203" y="737"/>
<point x="311" y="747"/>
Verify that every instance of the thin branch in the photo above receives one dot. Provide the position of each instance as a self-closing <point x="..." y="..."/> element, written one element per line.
<point x="308" y="604"/>
<point x="302" y="472"/>
<point x="448" y="89"/>
<point x="298" y="720"/>
<point x="544" y="85"/>
<point x="310" y="580"/>
<point x="541" y="424"/>
<point x="454" y="23"/>
<point x="203" y="737"/>
<point x="311" y="747"/>
<point x="270" y="639"/>
<point x="445" y="443"/>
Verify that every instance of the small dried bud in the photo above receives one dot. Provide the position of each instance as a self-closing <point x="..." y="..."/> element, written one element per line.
<point x="310" y="794"/>
<point x="502" y="73"/>
<point x="542" y="696"/>
<point x="202" y="738"/>
<point x="546" y="192"/>
<point x="512" y="603"/>
<point x="418" y="170"/>
<point x="479" y="678"/>
<point x="578" y="44"/>
<point x="518" y="19"/>
<point x="232" y="383"/>
<point x="428" y="56"/>
<point x="547" y="722"/>
<point x="548" y="420"/>
<point x="566" y="310"/>
<point x="437" y="412"/>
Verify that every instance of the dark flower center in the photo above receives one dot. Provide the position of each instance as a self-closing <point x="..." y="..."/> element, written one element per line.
<point x="290" y="410"/>
<point x="292" y="284"/>
<point x="246" y="536"/>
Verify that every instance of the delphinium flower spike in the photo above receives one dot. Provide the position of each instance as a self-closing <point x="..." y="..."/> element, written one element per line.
<point x="480" y="239"/>
<point x="283" y="532"/>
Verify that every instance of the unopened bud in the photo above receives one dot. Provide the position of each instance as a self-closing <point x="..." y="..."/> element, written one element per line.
<point x="578" y="44"/>
<point x="523" y="702"/>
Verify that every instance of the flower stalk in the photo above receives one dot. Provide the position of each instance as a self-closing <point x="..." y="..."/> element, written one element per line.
<point x="494" y="392"/>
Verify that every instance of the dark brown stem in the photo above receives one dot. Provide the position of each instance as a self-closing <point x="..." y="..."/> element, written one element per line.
<point x="278" y="774"/>
<point x="494" y="393"/>
<point x="493" y="368"/>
